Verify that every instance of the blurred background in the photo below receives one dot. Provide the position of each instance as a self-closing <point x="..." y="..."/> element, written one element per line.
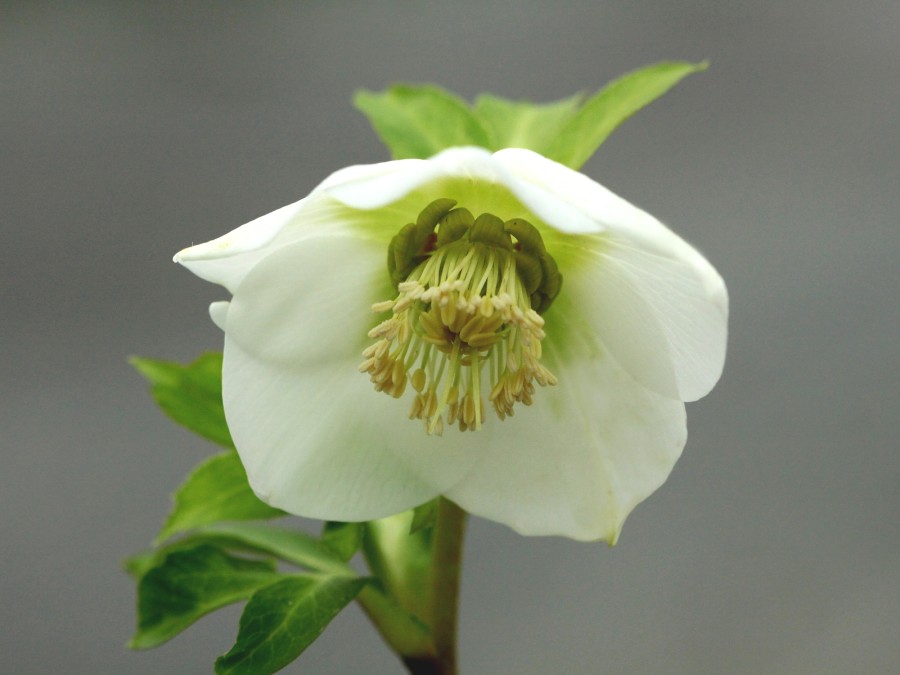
<point x="130" y="130"/>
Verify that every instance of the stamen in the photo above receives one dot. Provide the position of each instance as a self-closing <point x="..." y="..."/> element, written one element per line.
<point x="466" y="320"/>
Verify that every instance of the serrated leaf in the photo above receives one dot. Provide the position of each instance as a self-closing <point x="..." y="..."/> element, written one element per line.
<point x="580" y="137"/>
<point x="291" y="546"/>
<point x="282" y="620"/>
<point x="520" y="124"/>
<point x="214" y="491"/>
<point x="342" y="538"/>
<point x="420" y="121"/>
<point x="191" y="395"/>
<point x="190" y="583"/>
<point x="424" y="516"/>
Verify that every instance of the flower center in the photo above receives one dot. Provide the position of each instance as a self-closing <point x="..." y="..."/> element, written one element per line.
<point x="467" y="320"/>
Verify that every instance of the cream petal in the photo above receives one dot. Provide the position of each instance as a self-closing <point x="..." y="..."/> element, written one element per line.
<point x="578" y="460"/>
<point x="664" y="319"/>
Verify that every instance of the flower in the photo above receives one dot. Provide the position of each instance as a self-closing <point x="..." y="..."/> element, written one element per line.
<point x="559" y="325"/>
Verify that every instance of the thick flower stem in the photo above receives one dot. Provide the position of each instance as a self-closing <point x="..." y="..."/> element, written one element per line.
<point x="446" y="563"/>
<point x="414" y="602"/>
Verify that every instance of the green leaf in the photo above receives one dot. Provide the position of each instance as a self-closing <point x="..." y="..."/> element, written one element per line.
<point x="424" y="516"/>
<point x="140" y="563"/>
<point x="191" y="395"/>
<point x="420" y="121"/>
<point x="297" y="548"/>
<point x="580" y="137"/>
<point x="282" y="620"/>
<point x="291" y="546"/>
<point x="343" y="538"/>
<point x="520" y="124"/>
<point x="190" y="583"/>
<point x="216" y="490"/>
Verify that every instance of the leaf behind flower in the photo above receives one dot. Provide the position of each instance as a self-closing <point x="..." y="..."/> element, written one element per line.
<point x="418" y="121"/>
<point x="215" y="491"/>
<point x="522" y="124"/>
<point x="580" y="137"/>
<point x="190" y="394"/>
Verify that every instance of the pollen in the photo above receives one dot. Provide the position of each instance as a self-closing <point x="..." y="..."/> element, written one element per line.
<point x="466" y="324"/>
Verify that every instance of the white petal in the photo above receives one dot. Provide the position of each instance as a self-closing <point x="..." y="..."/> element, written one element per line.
<point x="364" y="172"/>
<point x="547" y="178"/>
<point x="310" y="302"/>
<point x="578" y="460"/>
<point x="375" y="196"/>
<point x="316" y="438"/>
<point x="664" y="319"/>
<point x="543" y="180"/>
<point x="375" y="185"/>
<point x="553" y="192"/>
<point x="218" y="312"/>
<point x="320" y="442"/>
<point x="456" y="173"/>
<point x="227" y="259"/>
<point x="638" y="306"/>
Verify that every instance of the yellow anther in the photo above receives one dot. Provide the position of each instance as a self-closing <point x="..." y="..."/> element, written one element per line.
<point x="464" y="326"/>
<point x="418" y="380"/>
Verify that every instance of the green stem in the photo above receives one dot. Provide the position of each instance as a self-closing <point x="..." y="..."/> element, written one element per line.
<point x="403" y="633"/>
<point x="446" y="562"/>
<point x="418" y="578"/>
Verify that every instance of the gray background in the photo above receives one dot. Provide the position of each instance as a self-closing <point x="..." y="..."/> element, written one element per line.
<point x="130" y="130"/>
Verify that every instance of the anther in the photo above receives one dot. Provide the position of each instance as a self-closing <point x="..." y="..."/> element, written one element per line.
<point x="466" y="320"/>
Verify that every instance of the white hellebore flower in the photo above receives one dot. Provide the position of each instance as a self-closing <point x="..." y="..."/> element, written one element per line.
<point x="521" y="301"/>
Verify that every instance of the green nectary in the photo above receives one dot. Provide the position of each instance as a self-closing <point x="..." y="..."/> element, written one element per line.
<point x="440" y="224"/>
